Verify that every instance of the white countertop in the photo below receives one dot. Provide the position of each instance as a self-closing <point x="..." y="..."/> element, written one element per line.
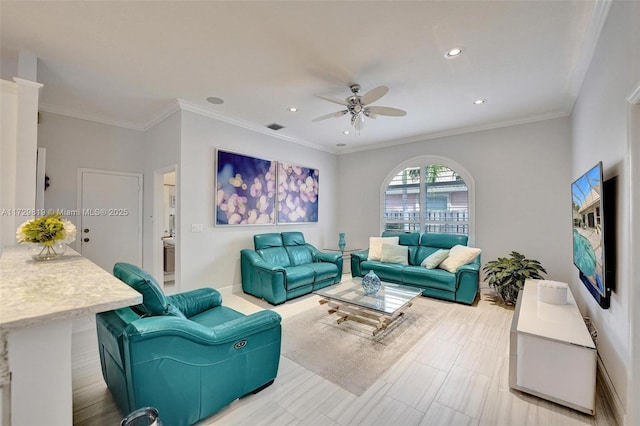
<point x="33" y="293"/>
<point x="558" y="322"/>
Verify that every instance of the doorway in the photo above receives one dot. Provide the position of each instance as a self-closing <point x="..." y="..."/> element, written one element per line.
<point x="110" y="226"/>
<point x="165" y="229"/>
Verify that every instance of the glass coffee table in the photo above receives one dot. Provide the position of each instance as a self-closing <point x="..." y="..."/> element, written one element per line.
<point x="348" y="301"/>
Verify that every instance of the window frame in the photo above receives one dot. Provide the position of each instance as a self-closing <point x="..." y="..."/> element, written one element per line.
<point x="421" y="162"/>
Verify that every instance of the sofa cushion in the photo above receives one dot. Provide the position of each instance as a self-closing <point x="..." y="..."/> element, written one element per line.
<point x="434" y="259"/>
<point x="215" y="316"/>
<point x="299" y="255"/>
<point x="458" y="256"/>
<point x="324" y="270"/>
<point x="298" y="276"/>
<point x="375" y="246"/>
<point x="437" y="278"/>
<point x="385" y="271"/>
<point x="392" y="253"/>
<point x="276" y="256"/>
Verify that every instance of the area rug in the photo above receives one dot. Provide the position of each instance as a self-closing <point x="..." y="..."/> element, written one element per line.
<point x="347" y="354"/>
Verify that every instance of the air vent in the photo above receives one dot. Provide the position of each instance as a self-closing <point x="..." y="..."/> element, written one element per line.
<point x="275" y="126"/>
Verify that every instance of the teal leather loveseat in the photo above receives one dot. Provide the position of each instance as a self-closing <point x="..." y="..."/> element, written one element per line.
<point x="284" y="266"/>
<point x="461" y="286"/>
<point x="185" y="355"/>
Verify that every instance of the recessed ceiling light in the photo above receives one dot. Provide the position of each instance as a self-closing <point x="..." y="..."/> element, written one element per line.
<point x="346" y="132"/>
<point x="341" y="145"/>
<point x="480" y="101"/>
<point x="214" y="100"/>
<point x="293" y="109"/>
<point x="453" y="53"/>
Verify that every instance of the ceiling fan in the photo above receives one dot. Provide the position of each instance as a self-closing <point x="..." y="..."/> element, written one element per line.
<point x="358" y="106"/>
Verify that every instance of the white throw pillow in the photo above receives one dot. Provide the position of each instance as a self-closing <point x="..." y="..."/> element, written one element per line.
<point x="375" y="246"/>
<point x="392" y="253"/>
<point x="458" y="256"/>
<point x="435" y="258"/>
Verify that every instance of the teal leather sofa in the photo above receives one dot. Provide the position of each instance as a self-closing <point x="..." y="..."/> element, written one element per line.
<point x="185" y="355"/>
<point x="284" y="266"/>
<point x="459" y="287"/>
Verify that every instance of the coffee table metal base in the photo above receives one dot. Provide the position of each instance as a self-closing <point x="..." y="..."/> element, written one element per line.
<point x="348" y="312"/>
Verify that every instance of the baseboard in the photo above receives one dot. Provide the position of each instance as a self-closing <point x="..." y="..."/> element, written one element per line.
<point x="610" y="394"/>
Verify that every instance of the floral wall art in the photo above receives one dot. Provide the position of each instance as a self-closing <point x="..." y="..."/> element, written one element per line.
<point x="297" y="194"/>
<point x="245" y="190"/>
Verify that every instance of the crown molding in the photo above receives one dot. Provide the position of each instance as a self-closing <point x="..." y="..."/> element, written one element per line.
<point x="198" y="109"/>
<point x="459" y="131"/>
<point x="634" y="97"/>
<point x="165" y="113"/>
<point x="597" y="20"/>
<point x="88" y="117"/>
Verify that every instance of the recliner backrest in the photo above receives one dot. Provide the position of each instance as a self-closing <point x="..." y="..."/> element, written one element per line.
<point x="154" y="301"/>
<point x="430" y="243"/>
<point x="269" y="247"/>
<point x="409" y="239"/>
<point x="297" y="248"/>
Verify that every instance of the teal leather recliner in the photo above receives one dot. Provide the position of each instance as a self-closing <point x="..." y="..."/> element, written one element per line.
<point x="185" y="355"/>
<point x="284" y="266"/>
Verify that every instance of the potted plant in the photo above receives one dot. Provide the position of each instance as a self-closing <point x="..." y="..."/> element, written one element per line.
<point x="507" y="274"/>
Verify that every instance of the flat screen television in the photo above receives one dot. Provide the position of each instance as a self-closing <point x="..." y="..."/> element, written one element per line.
<point x="590" y="246"/>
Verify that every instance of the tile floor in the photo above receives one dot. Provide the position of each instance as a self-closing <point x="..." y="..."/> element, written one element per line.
<point x="457" y="374"/>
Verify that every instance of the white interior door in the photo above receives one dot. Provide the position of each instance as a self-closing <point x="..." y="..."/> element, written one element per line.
<point x="111" y="217"/>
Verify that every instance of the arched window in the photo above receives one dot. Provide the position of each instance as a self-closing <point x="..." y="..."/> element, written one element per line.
<point x="429" y="195"/>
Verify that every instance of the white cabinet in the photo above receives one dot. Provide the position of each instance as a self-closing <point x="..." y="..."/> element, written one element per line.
<point x="552" y="354"/>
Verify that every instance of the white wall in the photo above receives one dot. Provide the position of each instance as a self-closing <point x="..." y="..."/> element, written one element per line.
<point x="161" y="149"/>
<point x="73" y="143"/>
<point x="19" y="153"/>
<point x="522" y="181"/>
<point x="9" y="120"/>
<point x="599" y="129"/>
<point x="212" y="258"/>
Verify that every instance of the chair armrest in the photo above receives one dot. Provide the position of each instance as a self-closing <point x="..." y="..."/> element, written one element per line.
<point x="157" y="327"/>
<point x="356" y="258"/>
<point x="194" y="302"/>
<point x="256" y="261"/>
<point x="361" y="255"/>
<point x="326" y="257"/>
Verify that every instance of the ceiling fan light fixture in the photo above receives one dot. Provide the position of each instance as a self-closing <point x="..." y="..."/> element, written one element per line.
<point x="453" y="53"/>
<point x="358" y="121"/>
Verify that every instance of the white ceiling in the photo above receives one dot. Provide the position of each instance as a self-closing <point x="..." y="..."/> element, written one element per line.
<point x="127" y="63"/>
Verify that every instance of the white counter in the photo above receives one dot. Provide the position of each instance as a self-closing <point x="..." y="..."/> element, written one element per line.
<point x="38" y="300"/>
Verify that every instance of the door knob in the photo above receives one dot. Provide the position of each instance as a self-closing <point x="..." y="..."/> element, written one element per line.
<point x="85" y="230"/>
<point x="86" y="240"/>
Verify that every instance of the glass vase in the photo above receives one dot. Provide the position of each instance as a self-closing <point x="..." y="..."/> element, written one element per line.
<point x="40" y="252"/>
<point x="371" y="283"/>
<point x="342" y="243"/>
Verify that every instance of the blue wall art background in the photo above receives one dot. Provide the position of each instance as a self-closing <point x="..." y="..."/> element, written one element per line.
<point x="245" y="190"/>
<point x="297" y="193"/>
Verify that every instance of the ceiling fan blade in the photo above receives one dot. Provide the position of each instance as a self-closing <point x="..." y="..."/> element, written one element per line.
<point x="380" y="110"/>
<point x="373" y="95"/>
<point x="334" y="100"/>
<point x="332" y="115"/>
